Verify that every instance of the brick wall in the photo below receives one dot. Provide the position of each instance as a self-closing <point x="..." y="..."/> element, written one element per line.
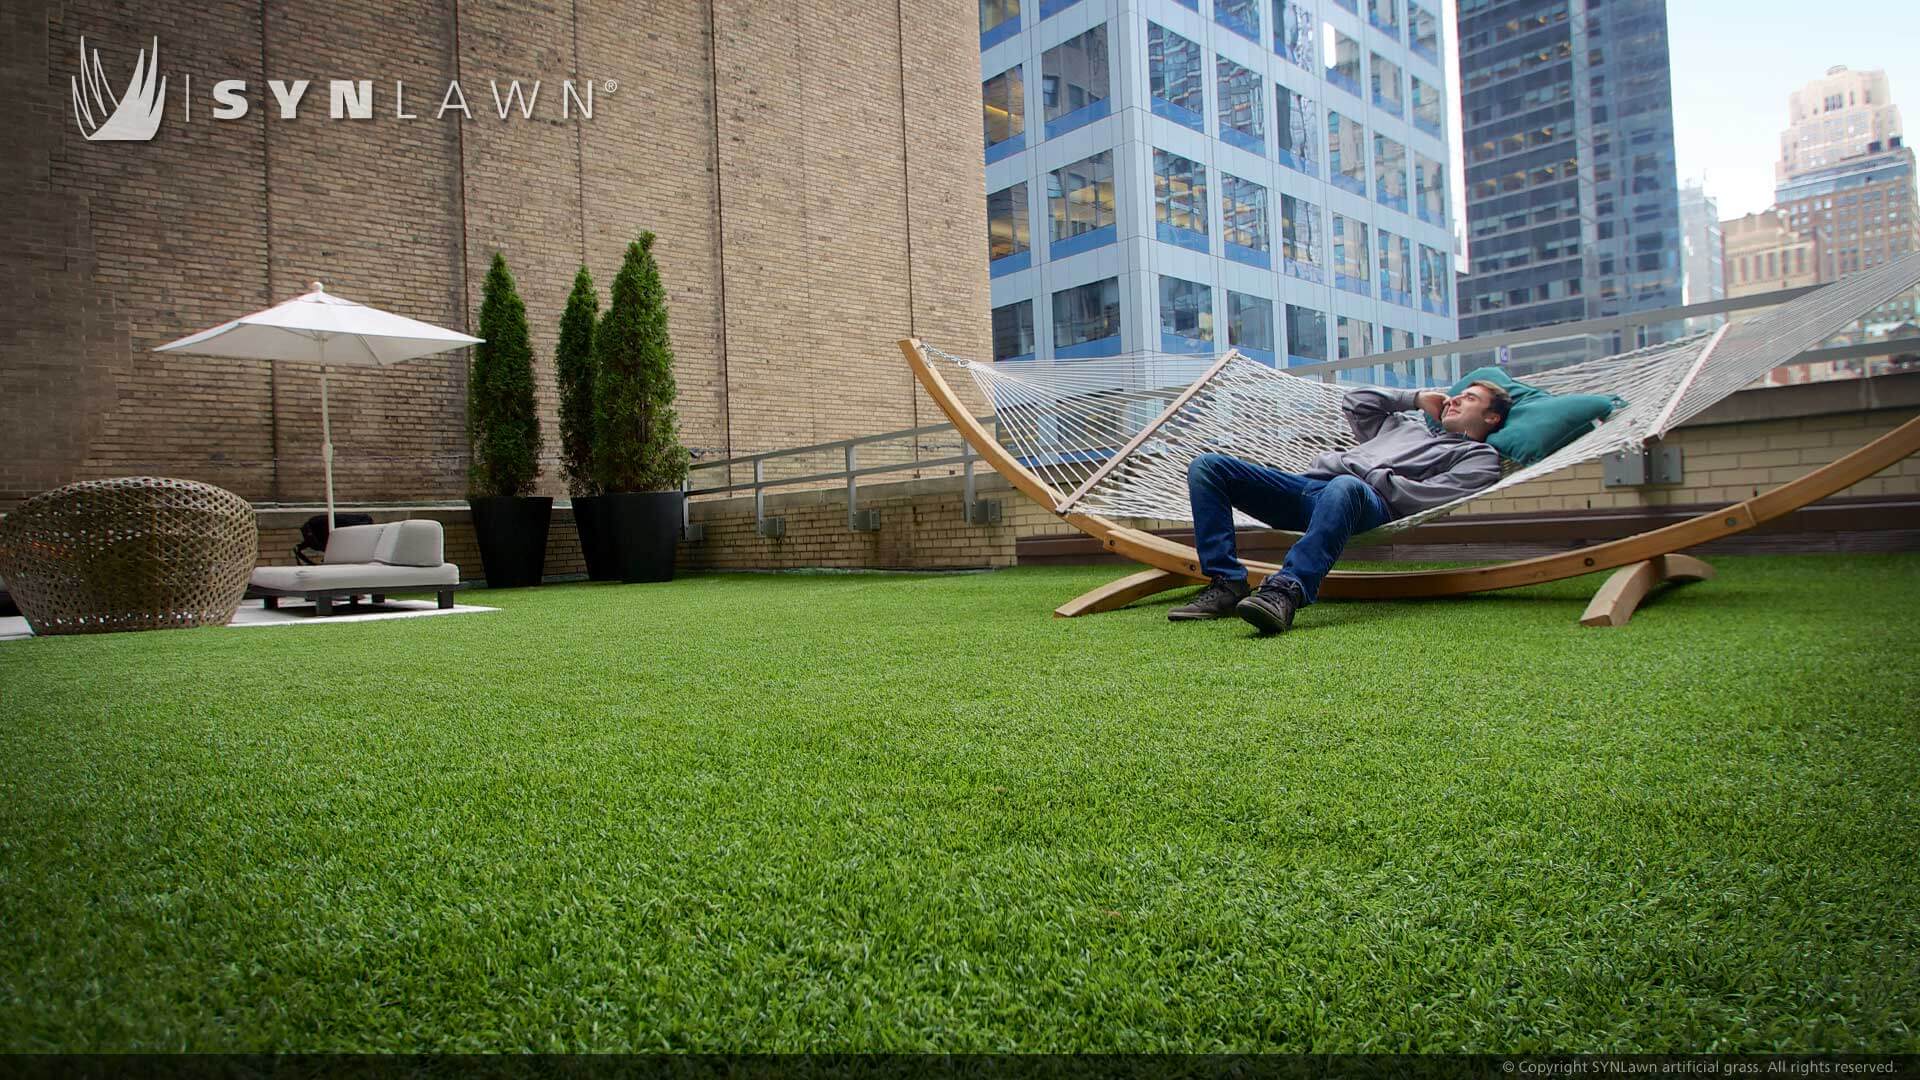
<point x="813" y="173"/>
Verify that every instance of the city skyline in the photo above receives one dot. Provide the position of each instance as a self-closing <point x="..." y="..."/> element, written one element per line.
<point x="1734" y="65"/>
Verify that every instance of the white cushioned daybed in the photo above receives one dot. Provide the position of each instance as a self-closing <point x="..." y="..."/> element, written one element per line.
<point x="399" y="556"/>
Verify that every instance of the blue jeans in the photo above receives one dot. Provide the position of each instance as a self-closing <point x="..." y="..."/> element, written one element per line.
<point x="1326" y="512"/>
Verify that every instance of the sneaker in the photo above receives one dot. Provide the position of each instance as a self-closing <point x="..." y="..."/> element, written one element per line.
<point x="1213" y="602"/>
<point x="1271" y="608"/>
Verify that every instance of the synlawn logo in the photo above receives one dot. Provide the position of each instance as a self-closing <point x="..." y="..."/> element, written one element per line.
<point x="135" y="115"/>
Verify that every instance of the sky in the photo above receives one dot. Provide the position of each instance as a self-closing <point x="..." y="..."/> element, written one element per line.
<point x="1734" y="63"/>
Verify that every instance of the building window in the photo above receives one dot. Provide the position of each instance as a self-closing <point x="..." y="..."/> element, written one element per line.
<point x="1352" y="261"/>
<point x="1007" y="233"/>
<point x="1386" y="86"/>
<point x="1306" y="336"/>
<point x="1243" y="221"/>
<point x="1240" y="16"/>
<point x="1430" y="190"/>
<point x="1389" y="173"/>
<point x="1186" y="315"/>
<point x="1003" y="99"/>
<point x="1385" y="15"/>
<point x="999" y="20"/>
<point x="1396" y="268"/>
<point x="1293" y="32"/>
<point x="1242" y="120"/>
<point x="1080" y="204"/>
<point x="1344" y="70"/>
<point x="1086" y="320"/>
<point x="1174" y="77"/>
<point x="1424" y="33"/>
<point x="1073" y="81"/>
<point x="1300" y="238"/>
<point x="1180" y="200"/>
<point x="1435" y="275"/>
<point x="1347" y="153"/>
<point x="1355" y="337"/>
<point x="1013" y="331"/>
<point x="1250" y="325"/>
<point x="1428" y="109"/>
<point x="1297" y="130"/>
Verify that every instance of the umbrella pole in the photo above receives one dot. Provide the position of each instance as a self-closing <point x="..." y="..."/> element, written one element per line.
<point x="326" y="435"/>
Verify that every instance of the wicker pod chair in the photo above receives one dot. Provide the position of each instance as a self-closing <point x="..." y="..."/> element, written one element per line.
<point x="132" y="553"/>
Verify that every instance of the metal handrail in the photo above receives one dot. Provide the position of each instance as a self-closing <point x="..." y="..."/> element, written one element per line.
<point x="1586" y="327"/>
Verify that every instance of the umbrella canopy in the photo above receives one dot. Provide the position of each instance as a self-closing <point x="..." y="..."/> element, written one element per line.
<point x="318" y="328"/>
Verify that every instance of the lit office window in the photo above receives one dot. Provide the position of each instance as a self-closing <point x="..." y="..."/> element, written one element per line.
<point x="1352" y="261"/>
<point x="1296" y="130"/>
<point x="1435" y="272"/>
<point x="1386" y="85"/>
<point x="1428" y="109"/>
<point x="1250" y="325"/>
<point x="1074" y="74"/>
<point x="1003" y="99"/>
<point x="1087" y="315"/>
<point x="1300" y="238"/>
<point x="1240" y="16"/>
<point x="994" y="13"/>
<point x="1389" y="173"/>
<point x="1179" y="192"/>
<point x="1306" y="335"/>
<point x="1007" y="222"/>
<point x="1396" y="268"/>
<point x="1174" y="77"/>
<point x="1186" y="309"/>
<point x="1347" y="153"/>
<point x="1344" y="70"/>
<point x="1293" y="32"/>
<point x="1385" y="15"/>
<point x="1425" y="32"/>
<point x="1080" y="196"/>
<point x="1430" y="190"/>
<point x="1242" y="120"/>
<point x="1013" y="331"/>
<point x="1243" y="217"/>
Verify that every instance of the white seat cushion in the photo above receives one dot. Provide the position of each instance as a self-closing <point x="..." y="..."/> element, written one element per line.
<point x="354" y="543"/>
<point x="359" y="576"/>
<point x="410" y="543"/>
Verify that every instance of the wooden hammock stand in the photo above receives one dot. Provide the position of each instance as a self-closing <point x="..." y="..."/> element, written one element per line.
<point x="1642" y="561"/>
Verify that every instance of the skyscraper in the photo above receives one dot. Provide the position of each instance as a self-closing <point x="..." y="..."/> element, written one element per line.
<point x="1267" y="175"/>
<point x="1839" y="115"/>
<point x="1702" y="270"/>
<point x="1572" y="200"/>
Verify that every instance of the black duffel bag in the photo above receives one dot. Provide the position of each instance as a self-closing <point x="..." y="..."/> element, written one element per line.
<point x="313" y="536"/>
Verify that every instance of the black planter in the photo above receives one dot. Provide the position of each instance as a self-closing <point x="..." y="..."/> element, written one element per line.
<point x="596" y="537"/>
<point x="645" y="527"/>
<point x="512" y="532"/>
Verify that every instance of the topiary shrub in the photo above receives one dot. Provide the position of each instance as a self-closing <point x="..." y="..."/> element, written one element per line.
<point x="573" y="363"/>
<point x="502" y="422"/>
<point x="636" y="438"/>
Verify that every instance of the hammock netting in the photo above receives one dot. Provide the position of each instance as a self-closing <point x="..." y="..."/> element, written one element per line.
<point x="1072" y="421"/>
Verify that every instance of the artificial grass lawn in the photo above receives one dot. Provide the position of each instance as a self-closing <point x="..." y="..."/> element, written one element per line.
<point x="915" y="812"/>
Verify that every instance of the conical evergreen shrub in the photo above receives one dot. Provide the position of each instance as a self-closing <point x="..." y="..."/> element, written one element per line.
<point x="636" y="431"/>
<point x="503" y="425"/>
<point x="574" y="363"/>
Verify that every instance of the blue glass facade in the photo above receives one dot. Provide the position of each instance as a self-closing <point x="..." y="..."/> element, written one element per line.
<point x="1572" y="198"/>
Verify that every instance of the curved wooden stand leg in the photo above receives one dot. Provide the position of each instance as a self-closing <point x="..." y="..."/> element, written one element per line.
<point x="1617" y="600"/>
<point x="1118" y="594"/>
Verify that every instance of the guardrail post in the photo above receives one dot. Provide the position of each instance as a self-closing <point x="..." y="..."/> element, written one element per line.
<point x="772" y="528"/>
<point x="858" y="520"/>
<point x="689" y="532"/>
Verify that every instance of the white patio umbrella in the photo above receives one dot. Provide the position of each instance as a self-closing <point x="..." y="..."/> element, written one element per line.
<point x="318" y="328"/>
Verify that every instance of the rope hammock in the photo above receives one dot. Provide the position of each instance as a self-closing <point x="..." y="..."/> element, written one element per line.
<point x="1116" y="435"/>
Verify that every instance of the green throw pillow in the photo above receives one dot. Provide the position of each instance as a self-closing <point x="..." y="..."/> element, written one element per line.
<point x="1539" y="422"/>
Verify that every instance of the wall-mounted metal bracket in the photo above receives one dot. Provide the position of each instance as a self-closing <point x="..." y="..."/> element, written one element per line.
<point x="1653" y="464"/>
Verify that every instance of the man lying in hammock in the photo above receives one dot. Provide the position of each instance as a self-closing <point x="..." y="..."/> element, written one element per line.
<point x="1398" y="468"/>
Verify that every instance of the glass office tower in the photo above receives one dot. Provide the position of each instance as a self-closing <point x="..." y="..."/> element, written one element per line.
<point x="1572" y="197"/>
<point x="1174" y="176"/>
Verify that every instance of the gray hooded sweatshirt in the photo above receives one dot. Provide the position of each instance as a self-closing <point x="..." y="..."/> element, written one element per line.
<point x="1412" y="468"/>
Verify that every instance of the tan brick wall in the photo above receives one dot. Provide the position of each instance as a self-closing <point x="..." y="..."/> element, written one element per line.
<point x="817" y="193"/>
